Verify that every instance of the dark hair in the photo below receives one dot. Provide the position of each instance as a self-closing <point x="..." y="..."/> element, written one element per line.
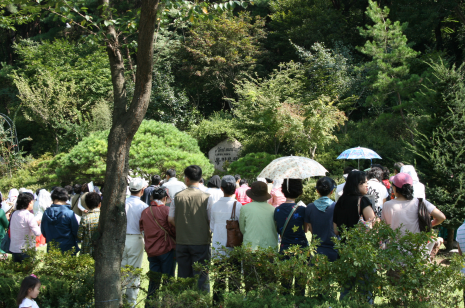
<point x="377" y="165"/>
<point x="269" y="180"/>
<point x="53" y="187"/>
<point x="398" y="166"/>
<point x="30" y="282"/>
<point x="159" y="193"/>
<point x="69" y="189"/>
<point x="156" y="179"/>
<point x="242" y="182"/>
<point x="60" y="194"/>
<point x="229" y="188"/>
<point x="295" y="188"/>
<point x="37" y="191"/>
<point x="201" y="181"/>
<point x="406" y="191"/>
<point x="354" y="179"/>
<point x="386" y="173"/>
<point x="193" y="173"/>
<point x="171" y="173"/>
<point x="325" y="185"/>
<point x="85" y="187"/>
<point x="92" y="200"/>
<point x="23" y="200"/>
<point x="376" y="173"/>
<point x="237" y="177"/>
<point x="77" y="188"/>
<point x="348" y="169"/>
<point x="214" y="182"/>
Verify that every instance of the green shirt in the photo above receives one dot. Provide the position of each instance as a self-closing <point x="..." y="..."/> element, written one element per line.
<point x="3" y="225"/>
<point x="258" y="226"/>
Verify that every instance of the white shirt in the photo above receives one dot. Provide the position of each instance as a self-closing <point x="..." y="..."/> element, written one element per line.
<point x="174" y="186"/>
<point x="215" y="193"/>
<point x="134" y="208"/>
<point x="202" y="187"/>
<point x="378" y="192"/>
<point x="220" y="212"/>
<point x="339" y="191"/>
<point x="209" y="208"/>
<point x="418" y="190"/>
<point x="28" y="303"/>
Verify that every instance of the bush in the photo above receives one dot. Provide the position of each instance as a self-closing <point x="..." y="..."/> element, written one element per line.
<point x="250" y="166"/>
<point x="67" y="281"/>
<point x="155" y="148"/>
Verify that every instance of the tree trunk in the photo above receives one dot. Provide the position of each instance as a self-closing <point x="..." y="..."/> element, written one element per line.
<point x="126" y="122"/>
<point x="450" y="239"/>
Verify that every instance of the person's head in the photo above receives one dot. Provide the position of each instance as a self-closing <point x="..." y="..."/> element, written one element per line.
<point x="228" y="185"/>
<point x="356" y="184"/>
<point x="403" y="185"/>
<point x="69" y="189"/>
<point x="30" y="287"/>
<point x="85" y="188"/>
<point x="377" y="165"/>
<point x="156" y="179"/>
<point x="375" y="173"/>
<point x="160" y="193"/>
<point x="397" y="167"/>
<point x="242" y="182"/>
<point x="202" y="181"/>
<point x="170" y="173"/>
<point x="77" y="188"/>
<point x="386" y="173"/>
<point x="237" y="177"/>
<point x="137" y="186"/>
<point x="59" y="195"/>
<point x="25" y="201"/>
<point x="258" y="192"/>
<point x="325" y="186"/>
<point x="269" y="181"/>
<point x="192" y="174"/>
<point x="215" y="182"/>
<point x="93" y="200"/>
<point x="292" y="188"/>
<point x="348" y="169"/>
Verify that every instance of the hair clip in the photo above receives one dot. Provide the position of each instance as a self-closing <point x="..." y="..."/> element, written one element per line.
<point x="34" y="276"/>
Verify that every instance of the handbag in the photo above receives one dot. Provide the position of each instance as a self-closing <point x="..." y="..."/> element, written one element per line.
<point x="233" y="233"/>
<point x="287" y="220"/>
<point x="367" y="223"/>
<point x="5" y="245"/>
<point x="166" y="232"/>
<point x="424" y="220"/>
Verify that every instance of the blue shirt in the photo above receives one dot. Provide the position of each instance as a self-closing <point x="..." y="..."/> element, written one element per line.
<point x="295" y="231"/>
<point x="59" y="224"/>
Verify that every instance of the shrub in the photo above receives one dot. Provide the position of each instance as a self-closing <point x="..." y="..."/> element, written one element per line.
<point x="155" y="148"/>
<point x="250" y="166"/>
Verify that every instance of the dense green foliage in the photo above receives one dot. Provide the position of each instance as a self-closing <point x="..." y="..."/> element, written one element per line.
<point x="156" y="148"/>
<point x="250" y="166"/>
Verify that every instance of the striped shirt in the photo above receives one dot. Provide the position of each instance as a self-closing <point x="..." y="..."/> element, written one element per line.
<point x="87" y="227"/>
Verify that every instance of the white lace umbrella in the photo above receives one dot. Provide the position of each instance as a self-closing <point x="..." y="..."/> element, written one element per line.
<point x="294" y="167"/>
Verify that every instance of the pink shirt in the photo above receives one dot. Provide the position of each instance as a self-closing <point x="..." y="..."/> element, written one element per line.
<point x="23" y="228"/>
<point x="241" y="196"/>
<point x="277" y="197"/>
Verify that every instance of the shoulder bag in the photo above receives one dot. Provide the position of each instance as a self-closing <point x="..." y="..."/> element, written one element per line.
<point x="424" y="220"/>
<point x="166" y="232"/>
<point x="287" y="220"/>
<point x="234" y="234"/>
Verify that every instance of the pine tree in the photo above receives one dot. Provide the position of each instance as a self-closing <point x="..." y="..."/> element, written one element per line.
<point x="388" y="73"/>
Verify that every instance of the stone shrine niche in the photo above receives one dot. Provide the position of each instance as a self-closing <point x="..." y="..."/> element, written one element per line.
<point x="225" y="151"/>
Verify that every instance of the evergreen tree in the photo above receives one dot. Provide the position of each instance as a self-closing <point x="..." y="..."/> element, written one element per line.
<point x="388" y="73"/>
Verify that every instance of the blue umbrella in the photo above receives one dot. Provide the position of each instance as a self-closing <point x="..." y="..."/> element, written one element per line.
<point x="359" y="153"/>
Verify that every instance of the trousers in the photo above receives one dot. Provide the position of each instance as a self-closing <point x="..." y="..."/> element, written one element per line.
<point x="187" y="255"/>
<point x="132" y="255"/>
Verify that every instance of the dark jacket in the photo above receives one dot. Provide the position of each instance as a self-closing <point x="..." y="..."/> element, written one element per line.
<point x="60" y="225"/>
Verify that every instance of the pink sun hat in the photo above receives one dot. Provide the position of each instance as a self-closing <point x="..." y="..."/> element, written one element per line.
<point x="400" y="179"/>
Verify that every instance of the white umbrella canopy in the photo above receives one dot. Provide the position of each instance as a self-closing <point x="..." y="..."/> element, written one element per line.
<point x="293" y="167"/>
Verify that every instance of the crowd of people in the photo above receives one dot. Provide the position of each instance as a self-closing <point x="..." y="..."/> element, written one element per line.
<point x="178" y="223"/>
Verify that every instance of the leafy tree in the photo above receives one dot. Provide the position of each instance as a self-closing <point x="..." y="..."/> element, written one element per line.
<point x="156" y="148"/>
<point x="440" y="153"/>
<point x="388" y="73"/>
<point x="277" y="110"/>
<point x="215" y="53"/>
